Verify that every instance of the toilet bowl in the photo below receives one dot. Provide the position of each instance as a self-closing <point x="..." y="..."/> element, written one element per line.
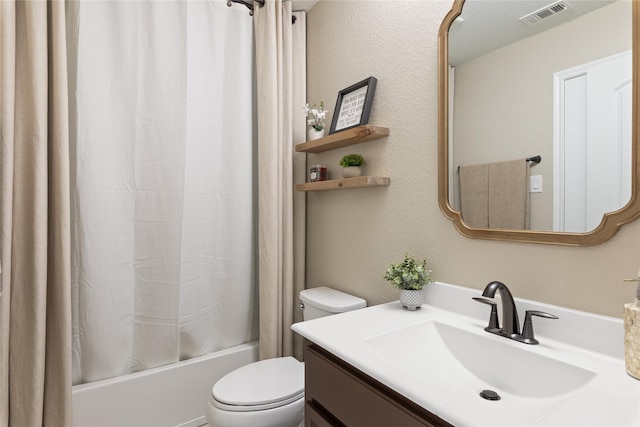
<point x="261" y="394"/>
<point x="270" y="393"/>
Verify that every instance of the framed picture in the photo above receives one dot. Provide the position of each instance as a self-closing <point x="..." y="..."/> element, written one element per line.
<point x="353" y="105"/>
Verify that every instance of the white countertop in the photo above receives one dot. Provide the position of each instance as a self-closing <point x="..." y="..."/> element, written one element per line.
<point x="584" y="340"/>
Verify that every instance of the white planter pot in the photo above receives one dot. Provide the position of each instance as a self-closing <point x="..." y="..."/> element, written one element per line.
<point x="351" y="171"/>
<point x="312" y="133"/>
<point x="411" y="300"/>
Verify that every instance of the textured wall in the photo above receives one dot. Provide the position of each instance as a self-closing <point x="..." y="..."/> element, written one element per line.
<point x="354" y="234"/>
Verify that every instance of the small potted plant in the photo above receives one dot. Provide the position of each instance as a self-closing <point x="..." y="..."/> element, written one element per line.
<point x="351" y="165"/>
<point x="315" y="120"/>
<point x="410" y="276"/>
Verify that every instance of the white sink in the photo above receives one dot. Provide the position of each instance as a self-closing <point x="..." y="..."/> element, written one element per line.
<point x="479" y="361"/>
<point x="441" y="358"/>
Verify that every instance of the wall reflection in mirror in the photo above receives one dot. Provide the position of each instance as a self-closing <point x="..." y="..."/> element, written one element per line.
<point x="538" y="78"/>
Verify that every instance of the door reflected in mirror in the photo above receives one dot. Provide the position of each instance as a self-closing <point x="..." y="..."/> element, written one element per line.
<point x="537" y="78"/>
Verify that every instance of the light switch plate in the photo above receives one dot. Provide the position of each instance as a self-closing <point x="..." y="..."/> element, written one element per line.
<point x="535" y="185"/>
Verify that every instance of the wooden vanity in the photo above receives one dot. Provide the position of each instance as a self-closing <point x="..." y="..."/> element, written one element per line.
<point x="337" y="394"/>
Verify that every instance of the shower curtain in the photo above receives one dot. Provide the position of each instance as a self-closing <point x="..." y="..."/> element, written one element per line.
<point x="162" y="142"/>
<point x="35" y="299"/>
<point x="280" y="63"/>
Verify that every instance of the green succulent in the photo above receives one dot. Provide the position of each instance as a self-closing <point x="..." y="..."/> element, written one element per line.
<point x="351" y="160"/>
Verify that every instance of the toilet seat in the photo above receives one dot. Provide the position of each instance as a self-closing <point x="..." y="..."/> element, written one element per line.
<point x="260" y="385"/>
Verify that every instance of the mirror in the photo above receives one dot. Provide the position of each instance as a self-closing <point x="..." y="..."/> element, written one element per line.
<point x="507" y="95"/>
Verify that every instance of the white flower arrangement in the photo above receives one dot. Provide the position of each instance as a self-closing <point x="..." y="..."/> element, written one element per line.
<point x="409" y="274"/>
<point x="315" y="116"/>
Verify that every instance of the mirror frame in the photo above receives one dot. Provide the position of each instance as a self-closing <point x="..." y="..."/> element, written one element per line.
<point x="611" y="221"/>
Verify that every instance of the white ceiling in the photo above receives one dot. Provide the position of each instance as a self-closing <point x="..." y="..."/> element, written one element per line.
<point x="490" y="24"/>
<point x="305" y="5"/>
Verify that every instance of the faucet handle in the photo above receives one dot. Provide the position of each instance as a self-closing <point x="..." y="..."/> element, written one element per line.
<point x="493" y="317"/>
<point x="527" y="336"/>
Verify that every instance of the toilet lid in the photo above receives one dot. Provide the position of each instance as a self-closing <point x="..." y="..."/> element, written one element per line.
<point x="261" y="383"/>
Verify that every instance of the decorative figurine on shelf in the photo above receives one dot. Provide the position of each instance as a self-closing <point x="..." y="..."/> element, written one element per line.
<point x="315" y="120"/>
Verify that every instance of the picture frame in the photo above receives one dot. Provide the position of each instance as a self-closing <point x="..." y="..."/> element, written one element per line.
<point x="353" y="105"/>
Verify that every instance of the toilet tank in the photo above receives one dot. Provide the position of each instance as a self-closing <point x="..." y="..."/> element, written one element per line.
<point x="323" y="301"/>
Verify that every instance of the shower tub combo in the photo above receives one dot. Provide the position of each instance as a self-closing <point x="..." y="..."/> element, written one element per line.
<point x="174" y="395"/>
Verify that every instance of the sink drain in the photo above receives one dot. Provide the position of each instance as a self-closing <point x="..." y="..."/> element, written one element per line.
<point x="489" y="395"/>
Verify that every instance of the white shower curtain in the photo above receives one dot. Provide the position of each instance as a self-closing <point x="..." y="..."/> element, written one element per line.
<point x="162" y="182"/>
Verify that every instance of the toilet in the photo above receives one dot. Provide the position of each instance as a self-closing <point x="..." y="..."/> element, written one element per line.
<point x="270" y="393"/>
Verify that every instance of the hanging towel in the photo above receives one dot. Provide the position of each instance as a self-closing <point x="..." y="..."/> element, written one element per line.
<point x="509" y="195"/>
<point x="495" y="195"/>
<point x="474" y="195"/>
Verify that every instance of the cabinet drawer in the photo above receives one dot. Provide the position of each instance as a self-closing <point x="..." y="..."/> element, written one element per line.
<point x="317" y="417"/>
<point x="356" y="399"/>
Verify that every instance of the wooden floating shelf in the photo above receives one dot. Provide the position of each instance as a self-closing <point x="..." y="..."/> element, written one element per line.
<point x="345" y="183"/>
<point x="343" y="139"/>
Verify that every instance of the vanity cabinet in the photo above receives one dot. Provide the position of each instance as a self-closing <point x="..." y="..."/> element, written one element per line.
<point x="345" y="138"/>
<point x="337" y="394"/>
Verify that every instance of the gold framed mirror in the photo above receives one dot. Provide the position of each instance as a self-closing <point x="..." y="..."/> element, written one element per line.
<point x="449" y="165"/>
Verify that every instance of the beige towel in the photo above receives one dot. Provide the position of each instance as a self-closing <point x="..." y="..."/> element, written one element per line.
<point x="474" y="195"/>
<point x="509" y="195"/>
<point x="495" y="195"/>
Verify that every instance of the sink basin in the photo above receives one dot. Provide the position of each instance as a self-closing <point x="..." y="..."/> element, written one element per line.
<point x="478" y="361"/>
<point x="440" y="358"/>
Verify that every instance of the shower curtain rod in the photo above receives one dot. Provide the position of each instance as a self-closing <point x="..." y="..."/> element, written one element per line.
<point x="249" y="6"/>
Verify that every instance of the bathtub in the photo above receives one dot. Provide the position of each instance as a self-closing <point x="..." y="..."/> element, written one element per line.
<point x="172" y="395"/>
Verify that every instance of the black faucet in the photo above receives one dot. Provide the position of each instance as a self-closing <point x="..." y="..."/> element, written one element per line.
<point x="510" y="324"/>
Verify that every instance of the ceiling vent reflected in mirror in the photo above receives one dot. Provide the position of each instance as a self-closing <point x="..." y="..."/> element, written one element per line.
<point x="545" y="12"/>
